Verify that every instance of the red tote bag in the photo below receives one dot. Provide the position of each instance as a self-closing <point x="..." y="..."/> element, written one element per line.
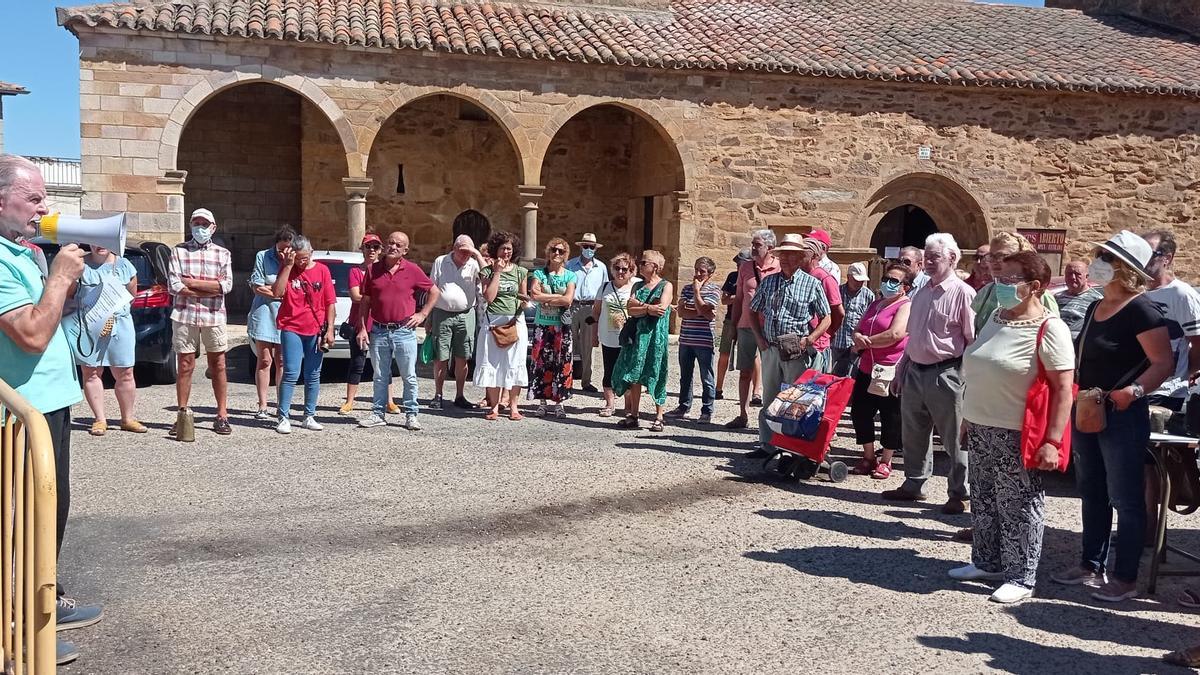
<point x="1037" y="413"/>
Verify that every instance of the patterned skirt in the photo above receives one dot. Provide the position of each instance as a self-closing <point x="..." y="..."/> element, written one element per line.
<point x="551" y="376"/>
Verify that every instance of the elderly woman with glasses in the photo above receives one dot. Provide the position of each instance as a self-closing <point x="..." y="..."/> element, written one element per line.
<point x="306" y="317"/>
<point x="986" y="301"/>
<point x="643" y="358"/>
<point x="553" y="289"/>
<point x="609" y="315"/>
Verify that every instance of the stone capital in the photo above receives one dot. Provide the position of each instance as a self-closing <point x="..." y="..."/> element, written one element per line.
<point x="357" y="188"/>
<point x="530" y="195"/>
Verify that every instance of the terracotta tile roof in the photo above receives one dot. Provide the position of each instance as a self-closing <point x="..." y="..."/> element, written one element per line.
<point x="938" y="41"/>
<point x="10" y="88"/>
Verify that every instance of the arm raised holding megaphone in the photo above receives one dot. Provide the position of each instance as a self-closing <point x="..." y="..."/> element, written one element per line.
<point x="31" y="327"/>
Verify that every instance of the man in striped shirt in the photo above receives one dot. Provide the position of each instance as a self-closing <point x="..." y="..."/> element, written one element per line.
<point x="199" y="275"/>
<point x="698" y="303"/>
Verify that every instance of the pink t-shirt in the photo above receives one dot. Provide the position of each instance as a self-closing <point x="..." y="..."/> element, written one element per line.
<point x="309" y="293"/>
<point x="356" y="280"/>
<point x="876" y="320"/>
<point x="747" y="284"/>
<point x="834" y="295"/>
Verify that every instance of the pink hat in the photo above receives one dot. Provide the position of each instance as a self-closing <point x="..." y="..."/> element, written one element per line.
<point x="823" y="237"/>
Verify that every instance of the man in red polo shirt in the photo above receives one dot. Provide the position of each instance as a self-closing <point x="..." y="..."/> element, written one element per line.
<point x="390" y="290"/>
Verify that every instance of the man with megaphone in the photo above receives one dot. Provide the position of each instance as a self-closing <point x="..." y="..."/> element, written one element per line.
<point x="35" y="358"/>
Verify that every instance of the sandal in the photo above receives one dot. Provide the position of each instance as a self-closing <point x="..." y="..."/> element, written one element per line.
<point x="134" y="426"/>
<point x="606" y="412"/>
<point x="540" y="411"/>
<point x="99" y="428"/>
<point x="657" y="425"/>
<point x="492" y="416"/>
<point x="516" y="416"/>
<point x="1188" y="658"/>
<point x="630" y="422"/>
<point x="882" y="471"/>
<point x="1190" y="599"/>
<point x="864" y="467"/>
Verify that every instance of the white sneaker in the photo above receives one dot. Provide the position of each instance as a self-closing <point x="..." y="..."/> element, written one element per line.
<point x="372" y="421"/>
<point x="312" y="424"/>
<point x="411" y="423"/>
<point x="559" y="411"/>
<point x="284" y="426"/>
<point x="1010" y="593"/>
<point x="973" y="573"/>
<point x="263" y="414"/>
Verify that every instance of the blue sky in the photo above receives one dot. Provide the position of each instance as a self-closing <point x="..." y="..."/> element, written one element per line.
<point x="37" y="53"/>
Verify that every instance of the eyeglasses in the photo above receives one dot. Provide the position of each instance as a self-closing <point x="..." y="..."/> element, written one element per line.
<point x="621" y="269"/>
<point x="557" y="251"/>
<point x="1012" y="280"/>
<point x="906" y="262"/>
<point x="372" y="247"/>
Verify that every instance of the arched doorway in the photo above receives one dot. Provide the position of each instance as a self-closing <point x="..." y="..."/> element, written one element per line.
<point x="909" y="208"/>
<point x="434" y="163"/>
<point x="611" y="171"/>
<point x="260" y="156"/>
<point x="473" y="224"/>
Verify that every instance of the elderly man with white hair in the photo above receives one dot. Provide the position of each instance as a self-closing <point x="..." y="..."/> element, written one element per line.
<point x="452" y="323"/>
<point x="940" y="326"/>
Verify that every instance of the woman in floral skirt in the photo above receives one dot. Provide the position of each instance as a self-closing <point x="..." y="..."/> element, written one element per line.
<point x="553" y="289"/>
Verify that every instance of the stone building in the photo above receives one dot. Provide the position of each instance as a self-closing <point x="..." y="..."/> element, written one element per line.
<point x="7" y="89"/>
<point x="674" y="124"/>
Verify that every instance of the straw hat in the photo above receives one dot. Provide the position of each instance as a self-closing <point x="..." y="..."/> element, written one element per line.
<point x="590" y="239"/>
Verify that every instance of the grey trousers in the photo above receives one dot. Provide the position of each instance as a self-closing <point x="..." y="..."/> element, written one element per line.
<point x="931" y="398"/>
<point x="584" y="342"/>
<point x="775" y="372"/>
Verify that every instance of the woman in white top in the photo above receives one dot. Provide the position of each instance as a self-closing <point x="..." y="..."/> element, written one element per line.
<point x="608" y="317"/>
<point x="999" y="368"/>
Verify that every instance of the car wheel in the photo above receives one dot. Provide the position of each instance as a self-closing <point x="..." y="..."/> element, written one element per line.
<point x="167" y="373"/>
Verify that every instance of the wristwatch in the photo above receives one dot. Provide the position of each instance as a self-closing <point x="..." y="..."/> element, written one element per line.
<point x="1138" y="391"/>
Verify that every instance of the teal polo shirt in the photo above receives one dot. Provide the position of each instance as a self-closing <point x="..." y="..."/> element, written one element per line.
<point x="46" y="380"/>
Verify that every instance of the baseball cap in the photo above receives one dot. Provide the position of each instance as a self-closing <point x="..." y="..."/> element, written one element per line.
<point x="823" y="237"/>
<point x="857" y="272"/>
<point x="205" y="214"/>
<point x="368" y="238"/>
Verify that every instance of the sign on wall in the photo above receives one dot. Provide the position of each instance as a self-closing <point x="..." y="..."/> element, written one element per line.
<point x="1050" y="243"/>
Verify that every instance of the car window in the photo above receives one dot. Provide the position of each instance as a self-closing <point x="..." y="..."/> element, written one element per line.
<point x="141" y="263"/>
<point x="340" y="271"/>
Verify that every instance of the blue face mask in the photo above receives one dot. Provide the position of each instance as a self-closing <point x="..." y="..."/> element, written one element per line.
<point x="890" y="289"/>
<point x="1007" y="296"/>
<point x="201" y="235"/>
<point x="587" y="253"/>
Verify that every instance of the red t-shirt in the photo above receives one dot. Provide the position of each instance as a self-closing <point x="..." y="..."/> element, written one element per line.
<point x="834" y="294"/>
<point x="394" y="293"/>
<point x="308" y="293"/>
<point x="356" y="281"/>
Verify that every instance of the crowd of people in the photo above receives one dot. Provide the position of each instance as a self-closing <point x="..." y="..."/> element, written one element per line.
<point x="931" y="348"/>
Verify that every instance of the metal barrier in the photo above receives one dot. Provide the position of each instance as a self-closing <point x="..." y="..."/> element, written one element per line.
<point x="28" y="510"/>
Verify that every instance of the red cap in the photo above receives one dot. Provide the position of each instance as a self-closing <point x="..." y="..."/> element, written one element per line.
<point x="821" y="236"/>
<point x="370" y="237"/>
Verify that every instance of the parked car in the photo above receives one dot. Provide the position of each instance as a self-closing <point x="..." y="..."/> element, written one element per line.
<point x="340" y="263"/>
<point x="151" y="308"/>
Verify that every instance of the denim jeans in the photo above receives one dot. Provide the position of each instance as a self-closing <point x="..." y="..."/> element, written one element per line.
<point x="1108" y="471"/>
<point x="689" y="356"/>
<point x="400" y="345"/>
<point x="301" y="356"/>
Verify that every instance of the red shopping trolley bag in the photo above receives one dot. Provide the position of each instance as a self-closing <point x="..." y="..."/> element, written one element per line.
<point x="804" y="417"/>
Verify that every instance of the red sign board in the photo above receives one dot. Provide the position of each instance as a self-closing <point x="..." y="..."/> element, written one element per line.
<point x="1045" y="241"/>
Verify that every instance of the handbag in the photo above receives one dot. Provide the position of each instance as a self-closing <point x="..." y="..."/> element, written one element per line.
<point x="881" y="380"/>
<point x="346" y="331"/>
<point x="1091" y="405"/>
<point x="427" y="351"/>
<point x="506" y="334"/>
<point x="791" y="346"/>
<point x="1037" y="413"/>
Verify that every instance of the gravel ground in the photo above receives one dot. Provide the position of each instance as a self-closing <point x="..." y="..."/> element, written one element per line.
<point x="542" y="546"/>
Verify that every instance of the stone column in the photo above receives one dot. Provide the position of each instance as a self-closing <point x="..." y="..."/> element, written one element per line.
<point x="530" y="196"/>
<point x="356" y="204"/>
<point x="174" y="225"/>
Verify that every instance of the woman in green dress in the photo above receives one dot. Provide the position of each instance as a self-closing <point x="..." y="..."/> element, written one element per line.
<point x="643" y="358"/>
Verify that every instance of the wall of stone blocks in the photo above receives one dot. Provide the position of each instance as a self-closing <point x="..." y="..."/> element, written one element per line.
<point x="450" y="165"/>
<point x="757" y="150"/>
<point x="322" y="168"/>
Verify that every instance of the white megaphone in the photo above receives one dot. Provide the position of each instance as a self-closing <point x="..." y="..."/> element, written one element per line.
<point x="107" y="232"/>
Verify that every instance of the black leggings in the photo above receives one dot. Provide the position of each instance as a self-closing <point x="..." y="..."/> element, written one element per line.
<point x="610" y="360"/>
<point x="862" y="412"/>
<point x="358" y="361"/>
<point x="59" y="422"/>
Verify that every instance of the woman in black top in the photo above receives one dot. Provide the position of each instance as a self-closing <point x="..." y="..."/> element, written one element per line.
<point x="1124" y="350"/>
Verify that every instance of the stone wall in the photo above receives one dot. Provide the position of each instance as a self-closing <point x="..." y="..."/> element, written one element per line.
<point x="322" y="167"/>
<point x="450" y="165"/>
<point x="754" y="150"/>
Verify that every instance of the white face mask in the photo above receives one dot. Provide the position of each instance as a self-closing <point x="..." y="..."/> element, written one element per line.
<point x="202" y="235"/>
<point x="1100" y="271"/>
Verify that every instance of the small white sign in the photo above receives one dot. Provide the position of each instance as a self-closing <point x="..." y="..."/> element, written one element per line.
<point x="924" y="152"/>
<point x="891" y="252"/>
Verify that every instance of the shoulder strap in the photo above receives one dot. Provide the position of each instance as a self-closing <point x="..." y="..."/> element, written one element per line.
<point x="1037" y="347"/>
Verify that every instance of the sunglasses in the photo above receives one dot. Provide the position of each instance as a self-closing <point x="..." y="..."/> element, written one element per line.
<point x="590" y="247"/>
<point x="557" y="251"/>
<point x="372" y="247"/>
<point x="621" y="269"/>
<point x="1106" y="257"/>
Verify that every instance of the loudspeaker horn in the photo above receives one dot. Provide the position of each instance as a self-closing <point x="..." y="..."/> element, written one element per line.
<point x="107" y="232"/>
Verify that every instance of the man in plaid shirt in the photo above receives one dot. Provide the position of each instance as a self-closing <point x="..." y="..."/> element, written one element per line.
<point x="199" y="276"/>
<point x="784" y="304"/>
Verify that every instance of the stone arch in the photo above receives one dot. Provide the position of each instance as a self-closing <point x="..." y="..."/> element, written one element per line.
<point x="648" y="111"/>
<point x="486" y="101"/>
<point x="215" y="83"/>
<point x="944" y="196"/>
